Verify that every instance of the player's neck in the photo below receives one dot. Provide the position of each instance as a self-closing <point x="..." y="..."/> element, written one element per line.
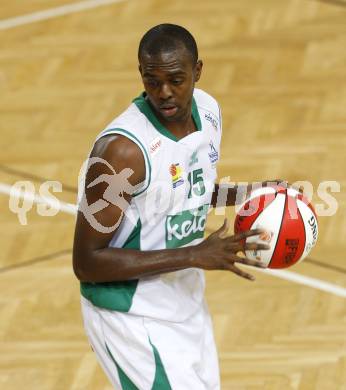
<point x="181" y="128"/>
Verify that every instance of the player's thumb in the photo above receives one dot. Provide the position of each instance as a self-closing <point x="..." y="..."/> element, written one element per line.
<point x="222" y="232"/>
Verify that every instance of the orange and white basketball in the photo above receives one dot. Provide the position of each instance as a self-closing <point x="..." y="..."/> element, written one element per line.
<point x="289" y="222"/>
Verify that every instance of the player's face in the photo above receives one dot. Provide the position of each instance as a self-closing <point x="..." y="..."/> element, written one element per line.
<point x="169" y="79"/>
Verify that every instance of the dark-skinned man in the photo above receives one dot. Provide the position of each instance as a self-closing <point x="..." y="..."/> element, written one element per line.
<point x="139" y="250"/>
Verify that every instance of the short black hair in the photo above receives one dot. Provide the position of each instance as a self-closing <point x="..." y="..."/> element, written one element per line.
<point x="167" y="37"/>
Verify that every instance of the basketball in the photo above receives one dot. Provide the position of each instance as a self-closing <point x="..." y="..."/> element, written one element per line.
<point x="289" y="222"/>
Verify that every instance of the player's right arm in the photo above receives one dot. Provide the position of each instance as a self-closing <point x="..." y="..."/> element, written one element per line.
<point x="95" y="261"/>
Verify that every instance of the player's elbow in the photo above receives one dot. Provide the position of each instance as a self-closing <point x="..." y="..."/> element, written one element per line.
<point x="79" y="271"/>
<point x="80" y="267"/>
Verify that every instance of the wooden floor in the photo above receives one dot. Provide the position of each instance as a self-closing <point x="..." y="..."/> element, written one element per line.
<point x="278" y="69"/>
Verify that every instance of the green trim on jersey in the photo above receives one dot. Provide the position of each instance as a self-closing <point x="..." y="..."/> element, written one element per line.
<point x="111" y="296"/>
<point x="115" y="295"/>
<point x="134" y="239"/>
<point x="133" y="138"/>
<point x="161" y="381"/>
<point x="144" y="107"/>
<point x="195" y="115"/>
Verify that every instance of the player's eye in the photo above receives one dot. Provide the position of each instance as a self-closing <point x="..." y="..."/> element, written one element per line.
<point x="177" y="81"/>
<point x="152" y="83"/>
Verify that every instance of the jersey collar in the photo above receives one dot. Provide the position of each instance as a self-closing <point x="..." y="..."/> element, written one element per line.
<point x="144" y="107"/>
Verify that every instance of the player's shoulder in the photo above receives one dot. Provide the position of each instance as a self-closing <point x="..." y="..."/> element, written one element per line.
<point x="131" y="123"/>
<point x="205" y="101"/>
<point x="129" y="118"/>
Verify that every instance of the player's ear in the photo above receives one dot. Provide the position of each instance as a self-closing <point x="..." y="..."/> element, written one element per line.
<point x="140" y="69"/>
<point x="198" y="70"/>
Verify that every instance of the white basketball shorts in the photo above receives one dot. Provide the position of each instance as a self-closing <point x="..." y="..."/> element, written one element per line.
<point x="140" y="353"/>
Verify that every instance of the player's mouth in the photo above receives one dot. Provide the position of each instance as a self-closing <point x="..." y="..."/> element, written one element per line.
<point x="168" y="110"/>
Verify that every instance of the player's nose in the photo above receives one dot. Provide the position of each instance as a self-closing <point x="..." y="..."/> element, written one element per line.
<point x="165" y="92"/>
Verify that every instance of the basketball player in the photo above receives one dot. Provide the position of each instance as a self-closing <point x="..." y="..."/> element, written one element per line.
<point x="142" y="284"/>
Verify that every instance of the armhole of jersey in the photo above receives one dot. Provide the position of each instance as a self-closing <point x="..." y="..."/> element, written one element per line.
<point x="133" y="138"/>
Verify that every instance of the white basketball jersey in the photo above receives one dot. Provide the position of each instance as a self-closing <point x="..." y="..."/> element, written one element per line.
<point x="168" y="211"/>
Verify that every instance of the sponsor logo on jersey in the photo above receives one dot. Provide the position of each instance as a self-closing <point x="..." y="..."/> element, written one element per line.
<point x="155" y="145"/>
<point x="193" y="158"/>
<point x="213" y="154"/>
<point x="176" y="172"/>
<point x="185" y="227"/>
<point x="209" y="117"/>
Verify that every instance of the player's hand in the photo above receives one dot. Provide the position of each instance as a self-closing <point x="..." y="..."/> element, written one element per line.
<point x="220" y="252"/>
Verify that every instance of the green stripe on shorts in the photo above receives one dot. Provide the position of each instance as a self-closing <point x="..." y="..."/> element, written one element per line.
<point x="161" y="381"/>
<point x="125" y="381"/>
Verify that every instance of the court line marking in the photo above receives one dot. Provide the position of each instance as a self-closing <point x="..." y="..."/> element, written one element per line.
<point x="282" y="274"/>
<point x="54" y="12"/>
<point x="68" y="208"/>
<point x="305" y="280"/>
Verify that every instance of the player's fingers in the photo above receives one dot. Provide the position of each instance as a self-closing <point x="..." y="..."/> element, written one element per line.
<point x="246" y="234"/>
<point x="253" y="246"/>
<point x="241" y="273"/>
<point x="240" y="246"/>
<point x="222" y="232"/>
<point x="246" y="261"/>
